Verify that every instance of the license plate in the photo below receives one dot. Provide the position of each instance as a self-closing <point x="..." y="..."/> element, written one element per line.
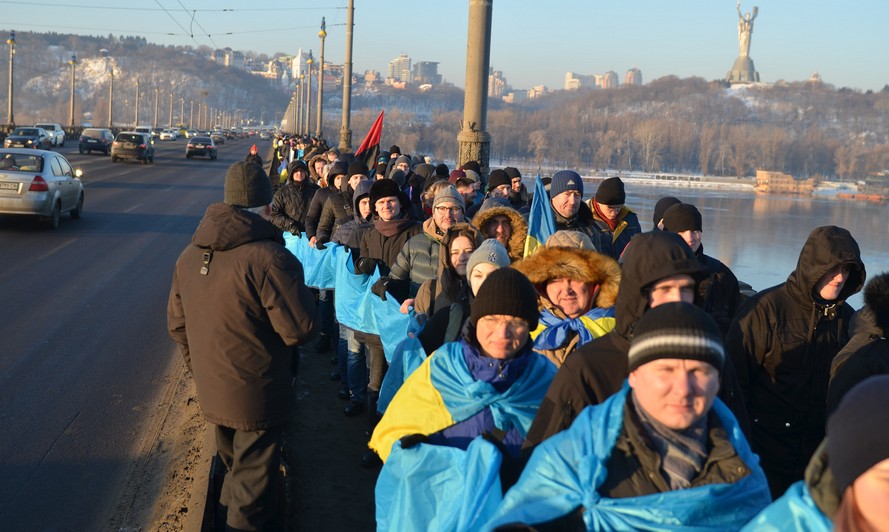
<point x="9" y="186"/>
<point x="199" y="146"/>
<point x="92" y="141"/>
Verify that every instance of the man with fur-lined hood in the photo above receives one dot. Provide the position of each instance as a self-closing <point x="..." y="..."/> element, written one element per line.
<point x="506" y="225"/>
<point x="576" y="291"/>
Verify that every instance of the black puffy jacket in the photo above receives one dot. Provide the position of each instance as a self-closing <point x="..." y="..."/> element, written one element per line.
<point x="291" y="205"/>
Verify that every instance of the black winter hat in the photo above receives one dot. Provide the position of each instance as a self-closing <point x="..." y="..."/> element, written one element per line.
<point x="497" y="178"/>
<point x="661" y="207"/>
<point x="676" y="330"/>
<point x="507" y="292"/>
<point x="611" y="192"/>
<point x="357" y="167"/>
<point x="337" y="168"/>
<point x="682" y="217"/>
<point x="442" y="170"/>
<point x="472" y="165"/>
<point x="512" y="172"/>
<point x="394" y="149"/>
<point x="247" y="185"/>
<point x="399" y="177"/>
<point x="858" y="430"/>
<point x="383" y="188"/>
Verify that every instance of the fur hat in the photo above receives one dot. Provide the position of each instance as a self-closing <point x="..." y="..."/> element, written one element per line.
<point x="448" y="194"/>
<point x="247" y="185"/>
<point x="497" y="178"/>
<point x="661" y="207"/>
<point x="565" y="180"/>
<point x="676" y="330"/>
<point x="858" y="430"/>
<point x="490" y="251"/>
<point x="506" y="292"/>
<point x="383" y="188"/>
<point x="611" y="192"/>
<point x="570" y="239"/>
<point x="683" y="217"/>
<point x="590" y="267"/>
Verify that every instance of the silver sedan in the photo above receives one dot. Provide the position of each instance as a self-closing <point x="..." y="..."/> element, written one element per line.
<point x="39" y="183"/>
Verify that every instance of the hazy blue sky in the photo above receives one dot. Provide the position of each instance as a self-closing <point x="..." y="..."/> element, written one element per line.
<point x="533" y="42"/>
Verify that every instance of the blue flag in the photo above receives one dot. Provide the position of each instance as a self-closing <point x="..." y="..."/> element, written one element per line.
<point x="541" y="224"/>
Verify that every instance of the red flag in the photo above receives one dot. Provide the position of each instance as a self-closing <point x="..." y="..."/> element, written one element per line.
<point x="370" y="146"/>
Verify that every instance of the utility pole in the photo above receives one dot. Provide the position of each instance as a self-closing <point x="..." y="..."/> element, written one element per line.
<point x="157" y="93"/>
<point x="191" y="116"/>
<point x="10" y="119"/>
<point x="170" y="125"/>
<point x="136" y="123"/>
<point x="345" y="132"/>
<point x="474" y="143"/>
<point x="308" y="127"/>
<point x="111" y="98"/>
<point x="322" y="34"/>
<point x="73" y="63"/>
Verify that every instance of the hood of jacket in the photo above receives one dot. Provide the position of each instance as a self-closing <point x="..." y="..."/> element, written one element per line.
<point x="224" y="227"/>
<point x="826" y="248"/>
<point x="578" y="264"/>
<point x="315" y="177"/>
<point x="876" y="298"/>
<point x="649" y="257"/>
<point x="361" y="191"/>
<point x="449" y="279"/>
<point x="431" y="230"/>
<point x="516" y="245"/>
<point x="821" y="482"/>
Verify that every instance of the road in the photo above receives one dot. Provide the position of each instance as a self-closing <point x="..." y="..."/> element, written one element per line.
<point x="84" y="354"/>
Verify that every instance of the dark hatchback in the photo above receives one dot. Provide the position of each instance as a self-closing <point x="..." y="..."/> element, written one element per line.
<point x="94" y="139"/>
<point x="200" y="147"/>
<point x="132" y="145"/>
<point x="28" y="137"/>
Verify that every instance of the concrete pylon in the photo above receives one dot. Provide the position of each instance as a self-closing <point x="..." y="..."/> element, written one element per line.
<point x="474" y="143"/>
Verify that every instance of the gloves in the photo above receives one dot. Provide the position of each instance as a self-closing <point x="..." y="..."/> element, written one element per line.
<point x="379" y="287"/>
<point x="412" y="440"/>
<point x="320" y="245"/>
<point x="293" y="229"/>
<point x="365" y="265"/>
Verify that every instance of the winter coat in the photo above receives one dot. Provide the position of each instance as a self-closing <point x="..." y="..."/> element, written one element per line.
<point x="598" y="369"/>
<point x="337" y="210"/>
<point x="253" y="158"/>
<point x="384" y="241"/>
<point x="447" y="287"/>
<point x="312" y="174"/>
<point x="869" y="354"/>
<point x="291" y="205"/>
<point x="516" y="245"/>
<point x="584" y="222"/>
<point x="418" y="260"/>
<point x="613" y="242"/>
<point x="718" y="294"/>
<point x="237" y="306"/>
<point x="521" y="199"/>
<point x="782" y="343"/>
<point x="315" y="208"/>
<point x="580" y="265"/>
<point x="445" y="325"/>
<point x="350" y="233"/>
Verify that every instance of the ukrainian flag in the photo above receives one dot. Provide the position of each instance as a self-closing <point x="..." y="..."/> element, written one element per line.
<point x="541" y="224"/>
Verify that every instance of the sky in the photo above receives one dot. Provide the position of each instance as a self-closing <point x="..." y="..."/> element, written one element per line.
<point x="532" y="43"/>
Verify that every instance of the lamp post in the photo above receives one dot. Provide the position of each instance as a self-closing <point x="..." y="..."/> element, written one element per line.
<point x="170" y="125"/>
<point x="345" y="131"/>
<point x="110" y="97"/>
<point x="308" y="120"/>
<point x="73" y="63"/>
<point x="157" y="93"/>
<point x="136" y="123"/>
<point x="322" y="34"/>
<point x="10" y="119"/>
<point x="191" y="115"/>
<point x="300" y="103"/>
<point x="181" y="110"/>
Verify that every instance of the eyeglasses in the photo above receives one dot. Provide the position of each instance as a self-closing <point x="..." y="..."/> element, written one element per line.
<point x="453" y="210"/>
<point x="512" y="323"/>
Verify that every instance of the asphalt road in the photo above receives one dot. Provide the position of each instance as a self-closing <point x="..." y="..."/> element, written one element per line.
<point x="84" y="352"/>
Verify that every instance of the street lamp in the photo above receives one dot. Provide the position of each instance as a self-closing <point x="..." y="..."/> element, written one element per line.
<point x="136" y="123"/>
<point x="157" y="92"/>
<point x="111" y="97"/>
<point x="300" y="103"/>
<point x="322" y="34"/>
<point x="10" y="120"/>
<point x="309" y="62"/>
<point x="73" y="63"/>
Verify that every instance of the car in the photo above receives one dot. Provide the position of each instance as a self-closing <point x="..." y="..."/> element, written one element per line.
<point x="217" y="137"/>
<point x="201" y="147"/>
<point x="55" y="132"/>
<point x="143" y="129"/>
<point x="133" y="145"/>
<point x="96" y="139"/>
<point x="156" y="132"/>
<point x="28" y="137"/>
<point x="191" y="133"/>
<point x="39" y="183"/>
<point x="264" y="135"/>
<point x="169" y="134"/>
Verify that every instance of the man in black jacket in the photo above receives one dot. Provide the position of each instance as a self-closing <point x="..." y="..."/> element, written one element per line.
<point x="782" y="343"/>
<point x="237" y="308"/>
<point x="291" y="203"/>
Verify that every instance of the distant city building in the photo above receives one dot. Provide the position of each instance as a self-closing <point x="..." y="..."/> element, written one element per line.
<point x="607" y="80"/>
<point x="574" y="81"/>
<point x="815" y="79"/>
<point x="372" y="77"/>
<point x="426" y="72"/>
<point x="497" y="85"/>
<point x="399" y="69"/>
<point x="229" y="58"/>
<point x="516" y="97"/>
<point x="634" y="77"/>
<point x="537" y="91"/>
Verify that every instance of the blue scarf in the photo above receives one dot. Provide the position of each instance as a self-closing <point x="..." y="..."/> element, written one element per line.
<point x="557" y="329"/>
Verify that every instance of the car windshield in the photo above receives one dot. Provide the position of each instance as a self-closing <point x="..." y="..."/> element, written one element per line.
<point x="16" y="162"/>
<point x="130" y="137"/>
<point x="27" y="132"/>
<point x="92" y="132"/>
<point x="198" y="140"/>
<point x="48" y="127"/>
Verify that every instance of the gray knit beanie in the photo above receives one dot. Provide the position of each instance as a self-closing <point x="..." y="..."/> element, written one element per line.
<point x="448" y="194"/>
<point x="247" y="185"/>
<point x="490" y="251"/>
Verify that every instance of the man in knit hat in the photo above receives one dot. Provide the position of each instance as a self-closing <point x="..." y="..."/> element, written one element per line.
<point x="519" y="197"/>
<point x="665" y="443"/>
<point x="238" y="307"/>
<point x="718" y="294"/>
<point x="418" y="260"/>
<point x="660" y="208"/>
<point x="569" y="210"/>
<point x="615" y="223"/>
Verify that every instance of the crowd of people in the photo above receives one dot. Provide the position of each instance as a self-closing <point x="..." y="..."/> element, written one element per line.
<point x="610" y="379"/>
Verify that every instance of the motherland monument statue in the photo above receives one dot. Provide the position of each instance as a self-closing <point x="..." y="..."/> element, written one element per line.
<point x="743" y="70"/>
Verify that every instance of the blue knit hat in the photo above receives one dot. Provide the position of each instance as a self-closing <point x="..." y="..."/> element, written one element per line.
<point x="565" y="180"/>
